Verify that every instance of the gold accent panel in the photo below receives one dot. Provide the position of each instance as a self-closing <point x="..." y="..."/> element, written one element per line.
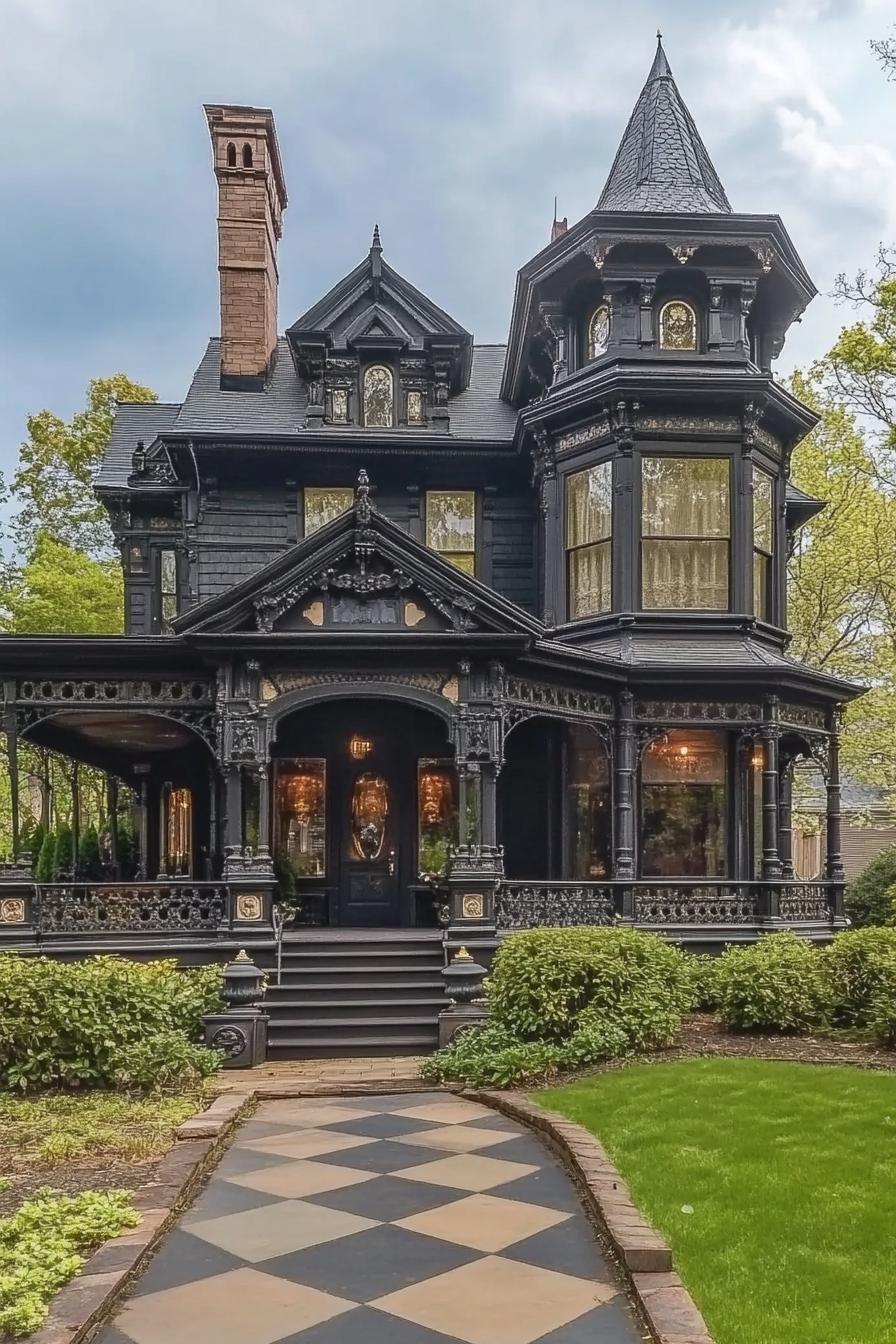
<point x="471" y="908"/>
<point x="248" y="907"/>
<point x="451" y="690"/>
<point x="314" y="613"/>
<point x="12" y="910"/>
<point x="678" y="326"/>
<point x="413" y="614"/>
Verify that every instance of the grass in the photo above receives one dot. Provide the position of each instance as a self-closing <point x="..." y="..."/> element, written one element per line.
<point x="788" y="1172"/>
<point x="61" y="1126"/>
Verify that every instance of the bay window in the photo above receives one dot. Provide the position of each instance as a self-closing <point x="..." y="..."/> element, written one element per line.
<point x="685" y="533"/>
<point x="683" y="805"/>
<point x="763" y="543"/>
<point x="589" y="534"/>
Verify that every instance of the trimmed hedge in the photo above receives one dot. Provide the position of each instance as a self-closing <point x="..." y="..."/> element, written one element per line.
<point x="105" y="1021"/>
<point x="859" y="967"/>
<point x="566" y="998"/>
<point x="869" y="898"/>
<point x="775" y="984"/>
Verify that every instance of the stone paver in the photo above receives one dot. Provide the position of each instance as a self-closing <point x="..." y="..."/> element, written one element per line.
<point x="415" y="1219"/>
<point x="303" y="1074"/>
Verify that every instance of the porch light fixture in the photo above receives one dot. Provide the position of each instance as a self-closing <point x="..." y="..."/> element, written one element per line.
<point x="359" y="747"/>
<point x="680" y="759"/>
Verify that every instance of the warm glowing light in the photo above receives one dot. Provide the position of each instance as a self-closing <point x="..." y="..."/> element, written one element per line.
<point x="359" y="747"/>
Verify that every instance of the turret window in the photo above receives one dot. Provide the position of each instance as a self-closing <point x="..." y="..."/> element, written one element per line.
<point x="678" y="326"/>
<point x="589" y="532"/>
<point x="763" y="542"/>
<point x="599" y="332"/>
<point x="379" y="397"/>
<point x="686" y="531"/>
<point x="451" y="526"/>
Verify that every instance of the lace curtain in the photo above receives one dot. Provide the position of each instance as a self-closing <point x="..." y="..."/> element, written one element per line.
<point x="589" y="527"/>
<point x="685" y="501"/>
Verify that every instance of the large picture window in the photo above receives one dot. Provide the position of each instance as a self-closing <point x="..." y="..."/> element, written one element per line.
<point x="589" y="812"/>
<point x="763" y="542"/>
<point x="323" y="505"/>
<point x="685" y="530"/>
<point x="301" y="817"/>
<point x="683" y="787"/>
<point x="451" y="526"/>
<point x="589" y="532"/>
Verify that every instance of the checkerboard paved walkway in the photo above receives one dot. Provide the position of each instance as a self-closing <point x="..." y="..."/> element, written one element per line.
<point x="413" y="1219"/>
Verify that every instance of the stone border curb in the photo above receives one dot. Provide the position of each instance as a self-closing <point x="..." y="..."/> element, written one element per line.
<point x="668" y="1308"/>
<point x="85" y="1303"/>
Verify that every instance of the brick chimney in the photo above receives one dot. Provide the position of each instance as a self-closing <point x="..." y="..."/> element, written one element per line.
<point x="251" y="201"/>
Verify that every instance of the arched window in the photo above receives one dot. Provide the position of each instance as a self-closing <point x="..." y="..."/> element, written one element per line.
<point x="379" y="397"/>
<point x="231" y="155"/>
<point x="678" y="326"/>
<point x="599" y="331"/>
<point x="247" y="156"/>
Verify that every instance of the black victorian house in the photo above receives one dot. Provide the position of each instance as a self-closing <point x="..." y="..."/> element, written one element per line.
<point x="424" y="634"/>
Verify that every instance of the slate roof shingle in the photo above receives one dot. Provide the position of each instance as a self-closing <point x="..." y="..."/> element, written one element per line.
<point x="134" y="421"/>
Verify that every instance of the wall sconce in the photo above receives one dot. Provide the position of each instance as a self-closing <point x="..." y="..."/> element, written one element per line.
<point x="359" y="747"/>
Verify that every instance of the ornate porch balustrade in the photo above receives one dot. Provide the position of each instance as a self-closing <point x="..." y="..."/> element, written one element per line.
<point x="664" y="902"/>
<point x="130" y="907"/>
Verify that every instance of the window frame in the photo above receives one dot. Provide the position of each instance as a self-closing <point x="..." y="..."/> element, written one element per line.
<point x="446" y="555"/>
<point x="366" y="369"/>
<point x="323" y="489"/>
<point x="726" y="810"/>
<point x="768" y="556"/>
<point x="605" y="463"/>
<point x="679" y="452"/>
<point x="162" y="592"/>
<point x="661" y="307"/>
<point x="601" y="306"/>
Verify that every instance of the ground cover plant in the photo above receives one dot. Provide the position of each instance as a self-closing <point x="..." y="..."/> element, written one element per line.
<point x="772" y="1183"/>
<point x="562" y="999"/>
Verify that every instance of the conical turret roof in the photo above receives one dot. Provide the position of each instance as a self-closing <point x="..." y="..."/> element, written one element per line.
<point x="662" y="164"/>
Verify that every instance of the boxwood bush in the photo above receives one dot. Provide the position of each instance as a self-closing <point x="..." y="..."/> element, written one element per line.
<point x="93" y="1022"/>
<point x="860" y="967"/>
<point x="775" y="984"/>
<point x="566" y="998"/>
<point x="869" y="897"/>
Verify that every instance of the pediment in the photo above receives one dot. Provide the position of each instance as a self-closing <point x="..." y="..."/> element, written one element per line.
<point x="376" y="321"/>
<point x="360" y="572"/>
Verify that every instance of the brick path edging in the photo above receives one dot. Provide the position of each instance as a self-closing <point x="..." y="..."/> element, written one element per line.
<point x="83" y="1305"/>
<point x="668" y="1308"/>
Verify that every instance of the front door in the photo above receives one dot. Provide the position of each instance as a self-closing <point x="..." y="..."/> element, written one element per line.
<point x="369" y="887"/>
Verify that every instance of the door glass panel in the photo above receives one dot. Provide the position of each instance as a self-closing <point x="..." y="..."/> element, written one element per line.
<point x="436" y="816"/>
<point x="370" y="817"/>
<point x="301" y="816"/>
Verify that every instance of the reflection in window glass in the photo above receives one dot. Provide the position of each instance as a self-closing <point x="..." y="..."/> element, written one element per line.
<point x="589" y="813"/>
<point x="322" y="506"/>
<point x="179" y="832"/>
<point x="451" y="526"/>
<point x="685" y="525"/>
<point x="168" y="587"/>
<point x="763" y="542"/>
<point x="339" y="405"/>
<point x="378" y="397"/>
<point x="589" y="529"/>
<point x="683" y="806"/>
<point x="301" y="816"/>
<point x="436" y="816"/>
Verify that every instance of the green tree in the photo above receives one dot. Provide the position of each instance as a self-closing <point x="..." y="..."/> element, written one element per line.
<point x="64" y="854"/>
<point x="89" y="865"/>
<point x="60" y="590"/>
<point x="43" y="871"/>
<point x="53" y="482"/>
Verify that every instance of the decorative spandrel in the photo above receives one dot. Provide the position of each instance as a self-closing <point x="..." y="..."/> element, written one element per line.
<point x="599" y="332"/>
<point x="379" y="397"/>
<point x="678" y="326"/>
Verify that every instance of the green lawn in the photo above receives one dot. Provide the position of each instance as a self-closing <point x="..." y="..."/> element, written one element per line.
<point x="790" y="1170"/>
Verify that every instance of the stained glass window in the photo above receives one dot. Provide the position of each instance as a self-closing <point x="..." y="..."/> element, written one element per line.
<point x="168" y="587"/>
<point x="339" y="405"/>
<point x="323" y="505"/>
<point x="451" y="526"/>
<point x="436" y="815"/>
<point x="416" y="414"/>
<point x="301" y="819"/>
<point x="678" y="326"/>
<point x="599" y="332"/>
<point x="378" y="397"/>
<point x="589" y="531"/>
<point x="763" y="542"/>
<point x="685" y="526"/>
<point x="683" y="805"/>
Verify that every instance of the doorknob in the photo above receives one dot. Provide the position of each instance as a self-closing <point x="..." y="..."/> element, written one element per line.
<point x="391" y="862"/>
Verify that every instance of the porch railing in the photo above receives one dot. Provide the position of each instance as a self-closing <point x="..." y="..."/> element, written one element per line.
<point x="664" y="901"/>
<point x="130" y="907"/>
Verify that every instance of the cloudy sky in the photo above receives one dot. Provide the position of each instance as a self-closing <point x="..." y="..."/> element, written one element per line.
<point x="453" y="126"/>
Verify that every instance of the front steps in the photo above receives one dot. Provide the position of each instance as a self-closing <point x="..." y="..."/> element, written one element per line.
<point x="355" y="992"/>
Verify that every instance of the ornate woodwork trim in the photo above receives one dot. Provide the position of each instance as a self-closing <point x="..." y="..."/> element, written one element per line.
<point x="697" y="711"/>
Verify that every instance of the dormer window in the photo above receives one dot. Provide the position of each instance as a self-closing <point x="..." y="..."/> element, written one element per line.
<point x="415" y="408"/>
<point x="678" y="326"/>
<point x="599" y="332"/>
<point x="379" y="397"/>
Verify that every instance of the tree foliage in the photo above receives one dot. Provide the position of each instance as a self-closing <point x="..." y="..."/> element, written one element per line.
<point x="61" y="590"/>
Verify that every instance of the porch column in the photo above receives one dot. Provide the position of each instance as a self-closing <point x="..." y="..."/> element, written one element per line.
<point x="489" y="819"/>
<point x="12" y="750"/>
<point x="834" y="859"/>
<point x="112" y="809"/>
<point x="214" y="839"/>
<point x="76" y="818"/>
<point x="164" y="795"/>
<point x="264" y="812"/>
<point x="785" y="823"/>
<point x="233" y="816"/>
<point x="470" y="804"/>
<point x="769" y="733"/>
<point x="624" y="787"/>
<point x="142" y="771"/>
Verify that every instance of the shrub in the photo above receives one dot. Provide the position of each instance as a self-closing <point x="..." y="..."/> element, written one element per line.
<point x="858" y="966"/>
<point x="776" y="984"/>
<point x="89" y="854"/>
<point x="64" y="854"/>
<point x="43" y="870"/>
<point x="882" y="1008"/>
<point x="74" y="1023"/>
<point x="566" y="998"/>
<point x="166" y="1060"/>
<point x="704" y="981"/>
<point x="41" y="1248"/>
<point x="868" y="898"/>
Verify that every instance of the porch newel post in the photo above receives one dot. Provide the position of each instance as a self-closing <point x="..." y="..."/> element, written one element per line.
<point x="624" y="790"/>
<point x="834" y="856"/>
<point x="785" y="824"/>
<point x="769" y="733"/>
